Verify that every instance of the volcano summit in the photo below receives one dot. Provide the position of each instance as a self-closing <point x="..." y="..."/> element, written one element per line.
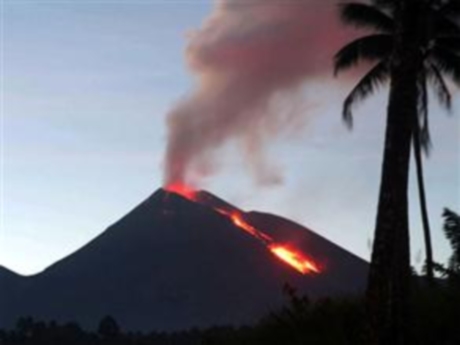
<point x="183" y="260"/>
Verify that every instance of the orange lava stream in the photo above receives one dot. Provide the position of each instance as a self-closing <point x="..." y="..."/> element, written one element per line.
<point x="292" y="257"/>
<point x="242" y="224"/>
<point x="295" y="259"/>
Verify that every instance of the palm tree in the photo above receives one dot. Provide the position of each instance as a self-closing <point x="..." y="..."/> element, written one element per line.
<point x="440" y="28"/>
<point x="409" y="54"/>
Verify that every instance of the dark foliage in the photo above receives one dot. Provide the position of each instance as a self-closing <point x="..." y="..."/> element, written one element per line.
<point x="452" y="232"/>
<point x="436" y="314"/>
<point x="302" y="321"/>
<point x="325" y="321"/>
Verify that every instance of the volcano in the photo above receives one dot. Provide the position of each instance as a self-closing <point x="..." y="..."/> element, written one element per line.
<point x="181" y="260"/>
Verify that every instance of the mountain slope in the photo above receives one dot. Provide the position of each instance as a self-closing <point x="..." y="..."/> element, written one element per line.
<point x="173" y="264"/>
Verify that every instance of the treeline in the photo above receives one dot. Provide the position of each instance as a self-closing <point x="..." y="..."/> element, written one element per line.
<point x="435" y="320"/>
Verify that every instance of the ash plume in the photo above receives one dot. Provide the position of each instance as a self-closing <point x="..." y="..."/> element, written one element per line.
<point x="250" y="60"/>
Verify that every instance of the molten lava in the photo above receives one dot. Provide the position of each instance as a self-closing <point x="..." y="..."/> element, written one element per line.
<point x="294" y="258"/>
<point x="238" y="220"/>
<point x="183" y="190"/>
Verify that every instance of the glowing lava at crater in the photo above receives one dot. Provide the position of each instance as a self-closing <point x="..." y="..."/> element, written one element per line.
<point x="292" y="257"/>
<point x="183" y="190"/>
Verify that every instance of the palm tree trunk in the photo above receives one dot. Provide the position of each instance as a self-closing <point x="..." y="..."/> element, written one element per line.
<point x="389" y="274"/>
<point x="388" y="290"/>
<point x="423" y="205"/>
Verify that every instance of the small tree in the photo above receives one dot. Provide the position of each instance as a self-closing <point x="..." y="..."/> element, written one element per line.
<point x="108" y="328"/>
<point x="452" y="232"/>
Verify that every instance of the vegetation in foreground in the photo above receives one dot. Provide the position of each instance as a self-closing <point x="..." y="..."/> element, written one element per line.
<point x="436" y="313"/>
<point x="413" y="44"/>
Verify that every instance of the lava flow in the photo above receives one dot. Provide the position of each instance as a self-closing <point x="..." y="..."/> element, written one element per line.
<point x="294" y="258"/>
<point x="242" y="224"/>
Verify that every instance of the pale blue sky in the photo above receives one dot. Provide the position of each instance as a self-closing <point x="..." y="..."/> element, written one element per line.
<point x="86" y="86"/>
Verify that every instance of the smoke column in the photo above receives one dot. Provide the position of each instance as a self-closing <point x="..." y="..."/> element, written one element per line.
<point x="249" y="59"/>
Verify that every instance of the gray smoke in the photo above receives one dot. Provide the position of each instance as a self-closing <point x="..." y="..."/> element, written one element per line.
<point x="250" y="59"/>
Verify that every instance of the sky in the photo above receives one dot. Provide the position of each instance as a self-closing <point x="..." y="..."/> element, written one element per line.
<point x="85" y="90"/>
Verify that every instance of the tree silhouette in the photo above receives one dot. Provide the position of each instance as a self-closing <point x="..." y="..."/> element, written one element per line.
<point x="439" y="35"/>
<point x="414" y="43"/>
<point x="108" y="329"/>
<point x="452" y="232"/>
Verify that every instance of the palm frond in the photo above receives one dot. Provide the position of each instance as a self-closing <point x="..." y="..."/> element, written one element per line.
<point x="422" y="126"/>
<point x="385" y="3"/>
<point x="452" y="232"/>
<point x="422" y="103"/>
<point x="447" y="62"/>
<point x="376" y="77"/>
<point x="371" y="48"/>
<point x="449" y="42"/>
<point x="366" y="16"/>
<point x="436" y="80"/>
<point x="451" y="8"/>
<point x="444" y="25"/>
